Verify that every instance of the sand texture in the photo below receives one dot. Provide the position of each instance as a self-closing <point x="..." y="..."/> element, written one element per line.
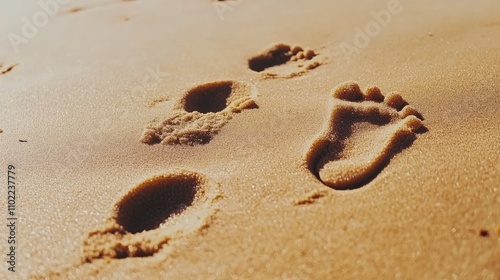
<point x="251" y="139"/>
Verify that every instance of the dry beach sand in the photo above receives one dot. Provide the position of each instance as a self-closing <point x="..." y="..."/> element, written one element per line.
<point x="252" y="139"/>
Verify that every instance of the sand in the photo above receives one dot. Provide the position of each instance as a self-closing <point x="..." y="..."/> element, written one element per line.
<point x="251" y="139"/>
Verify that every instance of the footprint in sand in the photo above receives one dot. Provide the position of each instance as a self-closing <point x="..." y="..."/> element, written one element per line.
<point x="201" y="113"/>
<point x="153" y="215"/>
<point x="284" y="61"/>
<point x="362" y="134"/>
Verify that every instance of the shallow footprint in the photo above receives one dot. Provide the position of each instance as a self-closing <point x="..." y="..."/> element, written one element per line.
<point x="362" y="134"/>
<point x="201" y="114"/>
<point x="284" y="61"/>
<point x="152" y="215"/>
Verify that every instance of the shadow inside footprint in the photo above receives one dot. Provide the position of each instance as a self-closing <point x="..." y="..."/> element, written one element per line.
<point x="152" y="203"/>
<point x="206" y="99"/>
<point x="276" y="55"/>
<point x="364" y="132"/>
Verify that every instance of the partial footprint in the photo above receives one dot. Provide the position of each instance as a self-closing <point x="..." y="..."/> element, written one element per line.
<point x="201" y="114"/>
<point x="363" y="133"/>
<point x="284" y="61"/>
<point x="152" y="215"/>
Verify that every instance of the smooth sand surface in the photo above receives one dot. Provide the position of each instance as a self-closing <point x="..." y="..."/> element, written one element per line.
<point x="253" y="139"/>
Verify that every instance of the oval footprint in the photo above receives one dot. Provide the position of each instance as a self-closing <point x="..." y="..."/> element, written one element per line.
<point x="201" y="113"/>
<point x="156" y="200"/>
<point x="153" y="214"/>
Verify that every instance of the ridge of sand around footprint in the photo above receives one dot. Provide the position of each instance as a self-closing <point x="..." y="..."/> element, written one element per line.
<point x="201" y="114"/>
<point x="153" y="214"/>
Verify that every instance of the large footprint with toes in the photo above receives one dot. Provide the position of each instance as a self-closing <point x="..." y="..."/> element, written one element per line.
<point x="153" y="215"/>
<point x="364" y="131"/>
